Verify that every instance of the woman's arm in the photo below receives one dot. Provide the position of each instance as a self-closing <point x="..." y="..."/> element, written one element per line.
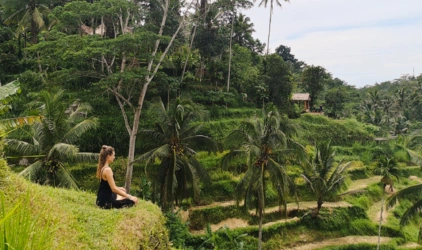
<point x="108" y="175"/>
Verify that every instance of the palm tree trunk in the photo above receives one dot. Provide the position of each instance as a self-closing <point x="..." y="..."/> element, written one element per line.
<point x="382" y="209"/>
<point x="189" y="50"/>
<point x="230" y="51"/>
<point x="261" y="206"/>
<point x="269" y="29"/>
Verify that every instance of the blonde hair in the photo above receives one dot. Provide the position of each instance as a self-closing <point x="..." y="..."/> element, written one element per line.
<point x="105" y="151"/>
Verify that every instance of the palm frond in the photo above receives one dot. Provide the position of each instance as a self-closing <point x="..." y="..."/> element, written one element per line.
<point x="32" y="172"/>
<point x="404" y="193"/>
<point x="201" y="173"/>
<point x="232" y="156"/>
<point x="236" y="138"/>
<point x="150" y="156"/>
<point x="9" y="89"/>
<point x="411" y="212"/>
<point x="37" y="17"/>
<point x="279" y="178"/>
<point x="11" y="123"/>
<point x="22" y="147"/>
<point x="415" y="157"/>
<point x="85" y="157"/>
<point x="205" y="142"/>
<point x="65" y="179"/>
<point x="63" y="151"/>
<point x="76" y="131"/>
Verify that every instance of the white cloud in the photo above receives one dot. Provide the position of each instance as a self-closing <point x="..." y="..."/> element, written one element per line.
<point x="358" y="41"/>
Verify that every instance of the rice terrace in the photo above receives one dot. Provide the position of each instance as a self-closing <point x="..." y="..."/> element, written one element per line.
<point x="158" y="124"/>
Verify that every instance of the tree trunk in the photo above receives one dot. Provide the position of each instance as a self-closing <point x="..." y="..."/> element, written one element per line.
<point x="382" y="209"/>
<point x="148" y="78"/>
<point x="269" y="29"/>
<point x="230" y="51"/>
<point x="261" y="206"/>
<point x="188" y="54"/>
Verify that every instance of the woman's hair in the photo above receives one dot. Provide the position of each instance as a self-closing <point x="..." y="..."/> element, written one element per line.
<point x="105" y="151"/>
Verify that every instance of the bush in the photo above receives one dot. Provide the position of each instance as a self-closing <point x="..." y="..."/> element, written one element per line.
<point x="178" y="231"/>
<point x="363" y="227"/>
<point x="338" y="219"/>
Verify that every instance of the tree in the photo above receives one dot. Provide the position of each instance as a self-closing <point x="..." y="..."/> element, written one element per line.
<point x="263" y="145"/>
<point x="335" y="99"/>
<point x="265" y="2"/>
<point x="313" y="79"/>
<point x="125" y="65"/>
<point x="284" y="52"/>
<point x="387" y="168"/>
<point x="279" y="81"/>
<point x="323" y="174"/>
<point x="174" y="138"/>
<point x="51" y="140"/>
<point x="30" y="13"/>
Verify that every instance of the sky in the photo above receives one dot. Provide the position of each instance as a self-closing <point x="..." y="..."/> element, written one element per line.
<point x="362" y="42"/>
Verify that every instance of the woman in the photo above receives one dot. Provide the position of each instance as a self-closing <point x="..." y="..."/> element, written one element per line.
<point x="109" y="195"/>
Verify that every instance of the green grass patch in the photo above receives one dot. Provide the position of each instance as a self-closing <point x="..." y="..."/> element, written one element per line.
<point x="79" y="224"/>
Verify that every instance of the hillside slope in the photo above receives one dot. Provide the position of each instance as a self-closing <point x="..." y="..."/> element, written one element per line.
<point x="75" y="222"/>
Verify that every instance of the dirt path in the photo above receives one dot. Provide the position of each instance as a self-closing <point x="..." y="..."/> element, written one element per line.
<point x="363" y="183"/>
<point x="342" y="241"/>
<point x="237" y="223"/>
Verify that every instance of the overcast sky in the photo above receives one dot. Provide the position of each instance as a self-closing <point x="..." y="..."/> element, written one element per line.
<point x="362" y="42"/>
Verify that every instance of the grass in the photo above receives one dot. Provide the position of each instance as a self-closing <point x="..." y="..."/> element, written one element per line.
<point x="77" y="223"/>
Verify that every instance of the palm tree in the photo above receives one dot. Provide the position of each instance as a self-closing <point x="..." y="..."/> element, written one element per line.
<point x="387" y="168"/>
<point x="408" y="144"/>
<point x="51" y="140"/>
<point x="264" y="146"/>
<point x="28" y="14"/>
<point x="174" y="136"/>
<point x="323" y="175"/>
<point x="265" y="3"/>
<point x="243" y="29"/>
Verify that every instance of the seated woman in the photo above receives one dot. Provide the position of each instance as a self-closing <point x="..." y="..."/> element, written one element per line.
<point x="109" y="195"/>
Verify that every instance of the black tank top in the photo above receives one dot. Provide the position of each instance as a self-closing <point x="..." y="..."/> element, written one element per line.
<point x="105" y="196"/>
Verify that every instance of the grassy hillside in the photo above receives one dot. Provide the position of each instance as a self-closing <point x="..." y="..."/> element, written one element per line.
<point x="69" y="219"/>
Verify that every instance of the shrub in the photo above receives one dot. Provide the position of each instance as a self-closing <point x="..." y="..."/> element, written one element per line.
<point x="178" y="231"/>
<point x="363" y="227"/>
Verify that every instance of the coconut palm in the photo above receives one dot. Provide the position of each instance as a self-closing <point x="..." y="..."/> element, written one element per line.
<point x="265" y="3"/>
<point x="264" y="146"/>
<point x="387" y="168"/>
<point x="174" y="138"/>
<point x="323" y="175"/>
<point x="410" y="145"/>
<point x="28" y="14"/>
<point x="51" y="140"/>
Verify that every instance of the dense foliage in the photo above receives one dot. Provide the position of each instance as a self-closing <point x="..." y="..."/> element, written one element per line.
<point x="121" y="56"/>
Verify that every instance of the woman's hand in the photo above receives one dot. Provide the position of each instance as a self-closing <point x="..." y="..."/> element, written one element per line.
<point x="133" y="198"/>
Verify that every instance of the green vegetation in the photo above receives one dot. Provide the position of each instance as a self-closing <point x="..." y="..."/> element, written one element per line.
<point x="64" y="218"/>
<point x="229" y="177"/>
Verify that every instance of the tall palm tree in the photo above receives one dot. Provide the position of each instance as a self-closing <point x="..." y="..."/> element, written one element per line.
<point x="265" y="3"/>
<point x="264" y="146"/>
<point x="387" y="168"/>
<point x="323" y="175"/>
<point x="174" y="138"/>
<point x="51" y="140"/>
